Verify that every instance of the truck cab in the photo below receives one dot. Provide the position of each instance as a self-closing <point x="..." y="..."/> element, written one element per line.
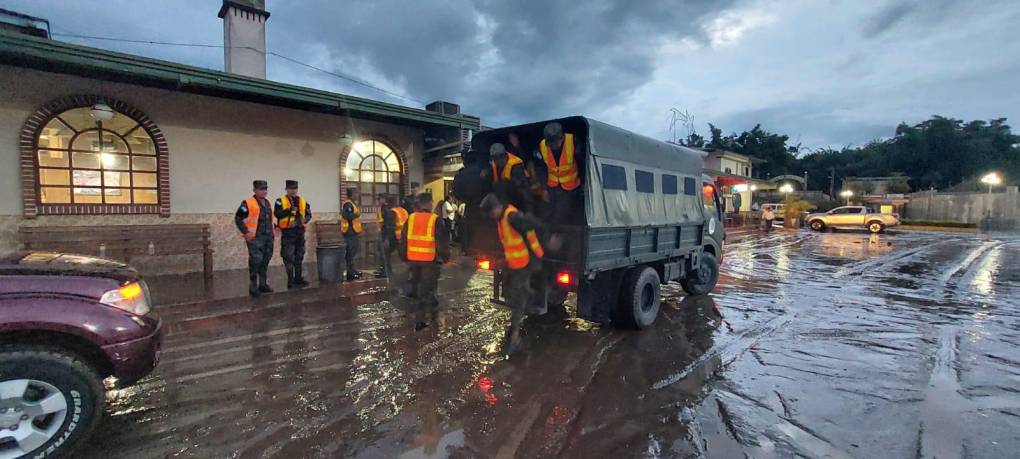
<point x="645" y="221"/>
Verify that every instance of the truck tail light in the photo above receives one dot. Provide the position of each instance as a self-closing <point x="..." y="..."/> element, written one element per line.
<point x="132" y="297"/>
<point x="484" y="263"/>
<point x="565" y="278"/>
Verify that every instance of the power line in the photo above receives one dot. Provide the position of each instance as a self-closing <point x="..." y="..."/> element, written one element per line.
<point x="270" y="53"/>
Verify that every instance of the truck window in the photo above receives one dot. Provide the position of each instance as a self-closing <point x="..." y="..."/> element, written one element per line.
<point x="710" y="199"/>
<point x="644" y="181"/>
<point x="690" y="186"/>
<point x="614" y="177"/>
<point x="669" y="184"/>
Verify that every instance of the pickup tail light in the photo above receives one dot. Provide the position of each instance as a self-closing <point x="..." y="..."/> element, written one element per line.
<point x="565" y="278"/>
<point x="484" y="263"/>
<point x="132" y="297"/>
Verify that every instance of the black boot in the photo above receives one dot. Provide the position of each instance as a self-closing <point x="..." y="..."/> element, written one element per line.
<point x="513" y="333"/>
<point x="264" y="284"/>
<point x="253" y="286"/>
<point x="299" y="280"/>
<point x="290" y="277"/>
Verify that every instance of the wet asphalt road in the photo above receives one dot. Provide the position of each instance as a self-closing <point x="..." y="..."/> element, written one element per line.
<point x="828" y="345"/>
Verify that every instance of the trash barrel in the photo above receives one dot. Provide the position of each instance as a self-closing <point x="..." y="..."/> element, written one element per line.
<point x="329" y="259"/>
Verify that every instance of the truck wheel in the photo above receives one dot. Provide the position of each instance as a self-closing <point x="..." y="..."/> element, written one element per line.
<point x="702" y="281"/>
<point x="817" y="225"/>
<point x="49" y="401"/>
<point x="640" y="297"/>
<point x="876" y="227"/>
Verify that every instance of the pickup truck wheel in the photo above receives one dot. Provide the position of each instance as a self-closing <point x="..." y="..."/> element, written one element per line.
<point x="640" y="298"/>
<point x="702" y="281"/>
<point x="876" y="227"/>
<point x="49" y="401"/>
<point x="817" y="225"/>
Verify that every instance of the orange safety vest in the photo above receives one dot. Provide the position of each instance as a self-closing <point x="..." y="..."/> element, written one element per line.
<point x="514" y="249"/>
<point x="401" y="214"/>
<point x="511" y="161"/>
<point x="421" y="237"/>
<point x="254" y="211"/>
<point x="344" y="224"/>
<point x="565" y="172"/>
<point x="287" y="222"/>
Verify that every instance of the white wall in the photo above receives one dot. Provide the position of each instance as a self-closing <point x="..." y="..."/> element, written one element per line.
<point x="217" y="146"/>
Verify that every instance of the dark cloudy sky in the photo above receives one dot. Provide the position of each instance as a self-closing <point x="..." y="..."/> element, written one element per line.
<point x="826" y="72"/>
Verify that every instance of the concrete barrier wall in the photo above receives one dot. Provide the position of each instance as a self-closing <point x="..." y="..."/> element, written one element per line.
<point x="1003" y="206"/>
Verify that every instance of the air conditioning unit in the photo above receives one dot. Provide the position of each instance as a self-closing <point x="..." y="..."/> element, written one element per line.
<point x="441" y="106"/>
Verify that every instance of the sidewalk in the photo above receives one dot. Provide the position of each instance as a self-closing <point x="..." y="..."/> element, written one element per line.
<point x="189" y="301"/>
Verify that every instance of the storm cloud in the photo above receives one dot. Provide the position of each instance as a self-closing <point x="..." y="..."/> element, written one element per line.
<point x="831" y="72"/>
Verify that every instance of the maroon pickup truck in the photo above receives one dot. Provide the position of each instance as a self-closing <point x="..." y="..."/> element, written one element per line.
<point x="67" y="322"/>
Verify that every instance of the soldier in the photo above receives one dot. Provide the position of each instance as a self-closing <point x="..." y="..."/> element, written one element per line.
<point x="425" y="246"/>
<point x="350" y="226"/>
<point x="510" y="179"/>
<point x="522" y="251"/>
<point x="254" y="219"/>
<point x="557" y="160"/>
<point x="394" y="217"/>
<point x="292" y="215"/>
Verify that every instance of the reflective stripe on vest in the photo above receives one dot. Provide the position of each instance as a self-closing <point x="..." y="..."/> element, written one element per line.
<point x="565" y="172"/>
<point x="344" y="224"/>
<point x="287" y="222"/>
<point x="421" y="237"/>
<point x="379" y="216"/>
<point x="254" y="211"/>
<point x="514" y="249"/>
<point x="401" y="214"/>
<point x="511" y="161"/>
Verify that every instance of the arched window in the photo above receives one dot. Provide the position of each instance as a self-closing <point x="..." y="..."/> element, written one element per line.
<point x="84" y="165"/>
<point x="374" y="168"/>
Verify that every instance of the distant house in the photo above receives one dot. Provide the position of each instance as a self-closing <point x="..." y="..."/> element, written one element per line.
<point x="732" y="172"/>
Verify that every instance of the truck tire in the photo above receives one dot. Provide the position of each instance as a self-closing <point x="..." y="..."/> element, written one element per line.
<point x="639" y="298"/>
<point x="817" y="225"/>
<point x="65" y="391"/>
<point x="876" y="227"/>
<point x="702" y="281"/>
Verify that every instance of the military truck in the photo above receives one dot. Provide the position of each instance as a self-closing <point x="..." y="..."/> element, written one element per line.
<point x="650" y="216"/>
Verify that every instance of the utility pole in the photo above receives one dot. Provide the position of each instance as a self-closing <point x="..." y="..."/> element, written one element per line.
<point x="832" y="182"/>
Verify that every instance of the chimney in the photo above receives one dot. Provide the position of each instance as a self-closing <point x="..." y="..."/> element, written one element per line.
<point x="244" y="37"/>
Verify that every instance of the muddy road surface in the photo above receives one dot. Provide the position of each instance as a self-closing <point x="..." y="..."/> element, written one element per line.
<point x="814" y="344"/>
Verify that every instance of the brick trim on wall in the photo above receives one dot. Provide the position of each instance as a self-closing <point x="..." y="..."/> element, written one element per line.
<point x="385" y="140"/>
<point x="29" y="137"/>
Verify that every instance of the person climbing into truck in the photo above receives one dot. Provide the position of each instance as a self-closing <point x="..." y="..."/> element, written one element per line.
<point x="523" y="252"/>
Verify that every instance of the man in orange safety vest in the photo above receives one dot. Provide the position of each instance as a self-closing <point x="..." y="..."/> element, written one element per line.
<point x="425" y="246"/>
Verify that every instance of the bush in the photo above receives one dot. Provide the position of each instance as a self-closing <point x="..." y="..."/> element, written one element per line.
<point x="794" y="207"/>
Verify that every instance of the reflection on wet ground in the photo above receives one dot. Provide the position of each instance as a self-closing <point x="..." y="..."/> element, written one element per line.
<point x="815" y="344"/>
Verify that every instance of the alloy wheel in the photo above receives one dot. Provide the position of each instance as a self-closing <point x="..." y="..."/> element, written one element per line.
<point x="31" y="413"/>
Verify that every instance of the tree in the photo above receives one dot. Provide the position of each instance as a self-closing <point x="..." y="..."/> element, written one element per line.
<point x="694" y="140"/>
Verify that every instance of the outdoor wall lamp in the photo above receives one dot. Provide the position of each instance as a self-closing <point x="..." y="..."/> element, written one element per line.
<point x="346" y="140"/>
<point x="101" y="112"/>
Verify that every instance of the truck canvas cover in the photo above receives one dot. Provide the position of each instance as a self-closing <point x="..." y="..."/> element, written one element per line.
<point x="607" y="205"/>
